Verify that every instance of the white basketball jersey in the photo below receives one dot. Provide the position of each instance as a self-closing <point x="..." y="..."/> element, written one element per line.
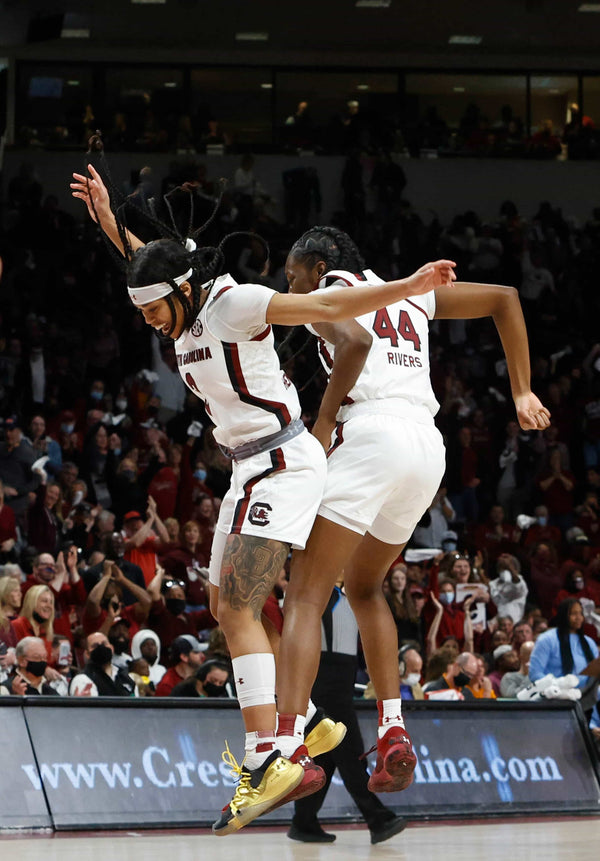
<point x="397" y="366"/>
<point x="228" y="359"/>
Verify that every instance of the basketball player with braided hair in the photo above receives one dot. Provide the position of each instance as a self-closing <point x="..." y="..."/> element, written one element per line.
<point x="385" y="463"/>
<point x="223" y="339"/>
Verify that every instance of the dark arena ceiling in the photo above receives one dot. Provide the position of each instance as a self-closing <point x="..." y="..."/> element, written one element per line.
<point x="543" y="34"/>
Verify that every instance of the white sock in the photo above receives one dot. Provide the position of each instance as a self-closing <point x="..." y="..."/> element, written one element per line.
<point x="258" y="747"/>
<point x="310" y="711"/>
<point x="290" y="733"/>
<point x="390" y="715"/>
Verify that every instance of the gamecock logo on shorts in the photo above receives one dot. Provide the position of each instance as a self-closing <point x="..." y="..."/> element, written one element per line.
<point x="259" y="514"/>
<point x="197" y="329"/>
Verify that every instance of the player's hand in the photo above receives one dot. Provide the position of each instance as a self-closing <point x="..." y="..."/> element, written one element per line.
<point x="438" y="274"/>
<point x="323" y="430"/>
<point x="531" y="413"/>
<point x="92" y="189"/>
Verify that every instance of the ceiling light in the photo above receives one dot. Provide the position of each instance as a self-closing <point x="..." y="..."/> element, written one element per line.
<point x="252" y="37"/>
<point x="373" y="4"/>
<point x="267" y="86"/>
<point x="458" y="89"/>
<point x="589" y="7"/>
<point x="149" y="2"/>
<point x="75" y="27"/>
<point x="363" y="87"/>
<point x="465" y="40"/>
<point x="170" y="84"/>
<point x="75" y="33"/>
<point x="73" y="83"/>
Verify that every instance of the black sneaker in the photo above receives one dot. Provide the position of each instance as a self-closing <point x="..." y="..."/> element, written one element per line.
<point x="387" y="829"/>
<point x="310" y="835"/>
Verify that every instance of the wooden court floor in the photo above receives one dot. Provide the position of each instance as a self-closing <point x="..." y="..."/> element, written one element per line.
<point x="550" y="839"/>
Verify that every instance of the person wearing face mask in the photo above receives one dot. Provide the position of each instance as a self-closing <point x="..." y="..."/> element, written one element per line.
<point x="453" y="619"/>
<point x="28" y="679"/>
<point x="112" y="546"/>
<point x="575" y="587"/>
<point x="541" y="530"/>
<point x="186" y="657"/>
<point x="456" y="678"/>
<point x="168" y="616"/>
<point x="209" y="680"/>
<point x="100" y="677"/>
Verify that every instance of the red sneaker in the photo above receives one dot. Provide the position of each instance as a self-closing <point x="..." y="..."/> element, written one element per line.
<point x="396" y="762"/>
<point x="313" y="780"/>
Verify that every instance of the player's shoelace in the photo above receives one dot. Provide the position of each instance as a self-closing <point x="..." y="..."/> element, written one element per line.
<point x="236" y="771"/>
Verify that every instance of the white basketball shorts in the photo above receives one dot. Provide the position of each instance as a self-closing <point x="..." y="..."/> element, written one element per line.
<point x="275" y="494"/>
<point x="383" y="471"/>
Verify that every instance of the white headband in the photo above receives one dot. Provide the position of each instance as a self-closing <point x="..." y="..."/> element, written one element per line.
<point x="152" y="292"/>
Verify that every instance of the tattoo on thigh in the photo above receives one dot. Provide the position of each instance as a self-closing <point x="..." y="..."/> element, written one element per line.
<point x="249" y="570"/>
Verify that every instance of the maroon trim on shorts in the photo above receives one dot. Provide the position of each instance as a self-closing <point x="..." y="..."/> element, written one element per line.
<point x="339" y="437"/>
<point x="241" y="509"/>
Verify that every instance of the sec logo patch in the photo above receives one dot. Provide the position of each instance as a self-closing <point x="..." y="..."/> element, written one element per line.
<point x="197" y="329"/>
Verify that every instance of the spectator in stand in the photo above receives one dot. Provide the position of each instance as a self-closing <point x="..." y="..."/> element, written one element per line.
<point x="105" y="601"/>
<point x="496" y="535"/>
<point x="455" y="620"/>
<point x="564" y="649"/>
<point x="541" y="530"/>
<point x="506" y="660"/>
<point x="126" y="489"/>
<point x="44" y="524"/>
<point x="37" y="617"/>
<point x="509" y="590"/>
<point x="16" y="460"/>
<point x="168" y="616"/>
<point x="517" y="680"/>
<point x="62" y="662"/>
<point x="522" y="633"/>
<point x="189" y="563"/>
<point x="145" y="644"/>
<point x="32" y="660"/>
<point x="515" y="462"/>
<point x="557" y="487"/>
<point x="186" y="657"/>
<point x="97" y="462"/>
<point x="544" y="576"/>
<point x="588" y="516"/>
<point x="118" y="637"/>
<point x="44" y="446"/>
<point x="8" y="530"/>
<point x="143" y="539"/>
<point x="462" y="476"/>
<point x="456" y="678"/>
<point x="480" y="685"/>
<point x="209" y="680"/>
<point x="10" y="604"/>
<point x="575" y="587"/>
<point x="63" y="580"/>
<point x="544" y="143"/>
<point x="100" y="677"/>
<point x="66" y="479"/>
<point x="113" y="547"/>
<point x="434" y="523"/>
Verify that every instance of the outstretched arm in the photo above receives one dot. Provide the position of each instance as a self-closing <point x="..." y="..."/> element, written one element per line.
<point x="92" y="189"/>
<point x="470" y="301"/>
<point x="352" y="343"/>
<point x="327" y="306"/>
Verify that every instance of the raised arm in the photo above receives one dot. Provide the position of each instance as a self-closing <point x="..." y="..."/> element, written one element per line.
<point x="328" y="306"/>
<point x="470" y="301"/>
<point x="92" y="189"/>
<point x="352" y="343"/>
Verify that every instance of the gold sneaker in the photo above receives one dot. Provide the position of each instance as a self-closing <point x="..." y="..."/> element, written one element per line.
<point x="257" y="790"/>
<point x="322" y="734"/>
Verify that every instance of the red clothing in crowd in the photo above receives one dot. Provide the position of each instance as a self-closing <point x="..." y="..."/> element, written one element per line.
<point x="8" y="524"/>
<point x="145" y="556"/>
<point x="163" y="489"/>
<point x="70" y="594"/>
<point x="168" y="682"/>
<point x="22" y="627"/>
<point x="181" y="564"/>
<point x="91" y="624"/>
<point x="556" y="498"/>
<point x="168" y="626"/>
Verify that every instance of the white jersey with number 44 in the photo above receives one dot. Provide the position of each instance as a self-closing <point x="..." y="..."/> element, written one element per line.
<point x="397" y="366"/>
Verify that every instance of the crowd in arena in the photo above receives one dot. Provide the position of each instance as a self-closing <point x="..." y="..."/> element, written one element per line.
<point x="110" y="479"/>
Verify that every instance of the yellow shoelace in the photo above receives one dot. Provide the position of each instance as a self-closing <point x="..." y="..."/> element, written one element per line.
<point x="236" y="771"/>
